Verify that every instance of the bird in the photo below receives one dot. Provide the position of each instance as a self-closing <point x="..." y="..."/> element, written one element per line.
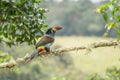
<point x="45" y="42"/>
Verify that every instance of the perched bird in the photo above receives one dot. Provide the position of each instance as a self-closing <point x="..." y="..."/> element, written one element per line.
<point x="45" y="42"/>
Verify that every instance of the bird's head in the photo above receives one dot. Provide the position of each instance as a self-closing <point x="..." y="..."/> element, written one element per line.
<point x="52" y="30"/>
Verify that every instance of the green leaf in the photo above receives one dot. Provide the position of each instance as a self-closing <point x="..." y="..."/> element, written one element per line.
<point x="1" y="60"/>
<point x="118" y="35"/>
<point x="118" y="18"/>
<point x="38" y="1"/>
<point x="104" y="7"/>
<point x="112" y="1"/>
<point x="110" y="25"/>
<point x="105" y="16"/>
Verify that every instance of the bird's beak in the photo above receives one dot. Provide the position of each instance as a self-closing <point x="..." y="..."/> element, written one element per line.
<point x="57" y="27"/>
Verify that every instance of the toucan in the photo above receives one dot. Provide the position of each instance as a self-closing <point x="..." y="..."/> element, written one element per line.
<point x="45" y="42"/>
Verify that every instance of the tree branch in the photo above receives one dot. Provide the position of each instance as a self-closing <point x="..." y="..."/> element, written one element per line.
<point x="13" y="63"/>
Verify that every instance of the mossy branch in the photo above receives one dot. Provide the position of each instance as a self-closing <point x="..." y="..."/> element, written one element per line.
<point x="13" y="63"/>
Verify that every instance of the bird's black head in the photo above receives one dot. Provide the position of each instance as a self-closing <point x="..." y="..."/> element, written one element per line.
<point x="52" y="31"/>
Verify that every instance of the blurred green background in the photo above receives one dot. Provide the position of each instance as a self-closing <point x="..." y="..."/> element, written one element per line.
<point x="81" y="26"/>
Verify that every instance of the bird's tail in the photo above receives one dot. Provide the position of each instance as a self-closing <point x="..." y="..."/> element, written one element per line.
<point x="34" y="54"/>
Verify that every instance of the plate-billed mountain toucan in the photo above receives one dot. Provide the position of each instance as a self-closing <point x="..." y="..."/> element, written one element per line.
<point x="45" y="42"/>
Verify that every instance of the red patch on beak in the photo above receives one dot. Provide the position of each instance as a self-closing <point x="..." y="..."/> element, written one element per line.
<point x="58" y="27"/>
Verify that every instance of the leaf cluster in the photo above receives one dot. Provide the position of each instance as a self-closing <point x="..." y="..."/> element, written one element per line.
<point x="112" y="73"/>
<point x="111" y="14"/>
<point x="21" y="21"/>
<point x="4" y="57"/>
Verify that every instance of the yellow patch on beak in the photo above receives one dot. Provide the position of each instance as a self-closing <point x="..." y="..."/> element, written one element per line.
<point x="41" y="47"/>
<point x="54" y="29"/>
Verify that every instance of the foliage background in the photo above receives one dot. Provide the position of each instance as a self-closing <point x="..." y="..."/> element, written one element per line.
<point x="81" y="26"/>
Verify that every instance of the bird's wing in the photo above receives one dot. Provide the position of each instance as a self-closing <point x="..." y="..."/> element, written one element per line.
<point x="44" y="40"/>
